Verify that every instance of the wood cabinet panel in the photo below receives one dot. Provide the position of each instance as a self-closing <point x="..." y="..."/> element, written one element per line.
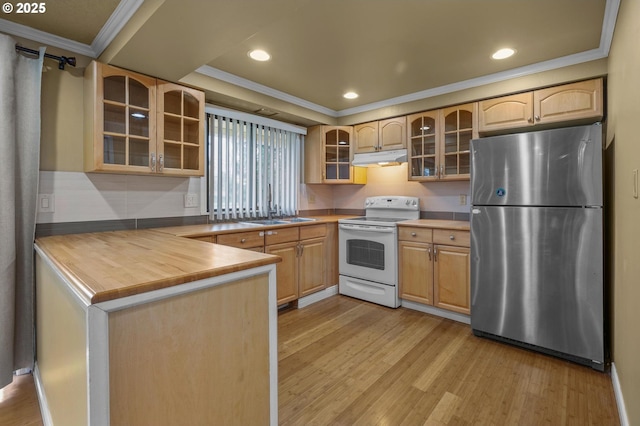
<point x="451" y="279"/>
<point x="434" y="273"/>
<point x="569" y="102"/>
<point x="506" y="112"/>
<point x="392" y="133"/>
<point x="281" y="235"/>
<point x="286" y="271"/>
<point x="175" y="344"/>
<point x="416" y="272"/>
<point x="574" y="102"/>
<point x="451" y="237"/>
<point x="312" y="266"/>
<point x="328" y="152"/>
<point x="313" y="231"/>
<point x="366" y="137"/>
<point x="416" y="234"/>
<point x="242" y="239"/>
<point x="206" y="239"/>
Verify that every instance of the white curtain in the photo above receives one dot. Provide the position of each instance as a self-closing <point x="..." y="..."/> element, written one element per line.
<point x="20" y="80"/>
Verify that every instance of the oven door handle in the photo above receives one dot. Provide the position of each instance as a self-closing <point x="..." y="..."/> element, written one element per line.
<point x="377" y="230"/>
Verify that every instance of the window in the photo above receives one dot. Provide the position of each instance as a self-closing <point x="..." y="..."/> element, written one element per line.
<point x="250" y="162"/>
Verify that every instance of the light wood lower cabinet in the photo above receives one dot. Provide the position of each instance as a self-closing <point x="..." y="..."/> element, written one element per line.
<point x="433" y="273"/>
<point x="303" y="253"/>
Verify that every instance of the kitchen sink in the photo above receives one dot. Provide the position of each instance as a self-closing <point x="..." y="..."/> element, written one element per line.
<point x="262" y="222"/>
<point x="300" y="219"/>
<point x="266" y="222"/>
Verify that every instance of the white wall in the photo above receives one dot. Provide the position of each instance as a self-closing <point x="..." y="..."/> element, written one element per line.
<point x="434" y="196"/>
<point x="80" y="197"/>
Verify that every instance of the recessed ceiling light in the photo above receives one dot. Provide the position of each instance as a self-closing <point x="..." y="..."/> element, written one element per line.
<point x="350" y="95"/>
<point x="259" y="55"/>
<point x="503" y="53"/>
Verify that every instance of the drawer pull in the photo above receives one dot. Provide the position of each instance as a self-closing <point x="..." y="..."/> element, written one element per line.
<point x="244" y="240"/>
<point x="452" y="237"/>
<point x="413" y="234"/>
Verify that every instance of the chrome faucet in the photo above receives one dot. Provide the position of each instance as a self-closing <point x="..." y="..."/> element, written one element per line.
<point x="270" y="210"/>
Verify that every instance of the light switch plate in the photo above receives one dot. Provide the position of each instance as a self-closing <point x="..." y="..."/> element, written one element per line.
<point x="463" y="199"/>
<point x="46" y="203"/>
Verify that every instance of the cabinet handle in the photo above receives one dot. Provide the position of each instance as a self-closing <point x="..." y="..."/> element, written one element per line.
<point x="435" y="254"/>
<point x="242" y="241"/>
<point x="413" y="234"/>
<point x="153" y="161"/>
<point x="429" y="251"/>
<point x="160" y="163"/>
<point x="452" y="237"/>
<point x="529" y="120"/>
<point x="537" y="118"/>
<point x="441" y="171"/>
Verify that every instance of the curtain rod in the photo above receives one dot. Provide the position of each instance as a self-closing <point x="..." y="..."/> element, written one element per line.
<point x="62" y="60"/>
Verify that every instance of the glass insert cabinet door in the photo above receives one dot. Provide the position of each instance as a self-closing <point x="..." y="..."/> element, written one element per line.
<point x="180" y="148"/>
<point x="439" y="143"/>
<point x="338" y="145"/>
<point x="127" y="109"/>
<point x="423" y="145"/>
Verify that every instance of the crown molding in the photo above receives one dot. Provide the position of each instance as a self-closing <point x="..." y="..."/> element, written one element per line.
<point x="23" y="31"/>
<point x="265" y="90"/>
<point x="118" y="19"/>
<point x="115" y="23"/>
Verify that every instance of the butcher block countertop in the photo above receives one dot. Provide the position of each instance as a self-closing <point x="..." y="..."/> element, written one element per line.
<point x="230" y="227"/>
<point x="458" y="225"/>
<point x="104" y="266"/>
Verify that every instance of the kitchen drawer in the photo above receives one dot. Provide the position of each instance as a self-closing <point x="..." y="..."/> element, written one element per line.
<point x="281" y="235"/>
<point x="242" y="239"/>
<point x="407" y="233"/>
<point x="451" y="237"/>
<point x="313" y="231"/>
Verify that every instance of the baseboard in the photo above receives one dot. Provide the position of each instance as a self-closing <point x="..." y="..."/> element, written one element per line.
<point x="617" y="390"/>
<point x="316" y="297"/>
<point x="42" y="398"/>
<point x="436" y="311"/>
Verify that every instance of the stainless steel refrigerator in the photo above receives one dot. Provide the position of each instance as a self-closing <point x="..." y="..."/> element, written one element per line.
<point x="537" y="241"/>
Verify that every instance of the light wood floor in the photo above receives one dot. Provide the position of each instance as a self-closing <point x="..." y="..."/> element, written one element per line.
<point x="347" y="362"/>
<point x="19" y="403"/>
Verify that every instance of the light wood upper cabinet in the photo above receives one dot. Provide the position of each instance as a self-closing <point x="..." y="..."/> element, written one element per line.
<point x="392" y="133"/>
<point x="180" y="144"/>
<point x="433" y="273"/>
<point x="139" y="125"/>
<point x="439" y="143"/>
<point x="381" y="135"/>
<point x="328" y="154"/>
<point x="366" y="137"/>
<point x="569" y="102"/>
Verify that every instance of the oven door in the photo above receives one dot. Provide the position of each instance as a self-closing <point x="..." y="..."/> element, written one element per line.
<point x="369" y="252"/>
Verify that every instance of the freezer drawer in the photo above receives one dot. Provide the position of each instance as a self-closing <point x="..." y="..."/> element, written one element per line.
<point x="537" y="277"/>
<point x="559" y="167"/>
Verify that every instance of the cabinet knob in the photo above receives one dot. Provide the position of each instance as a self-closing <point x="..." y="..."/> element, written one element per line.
<point x="244" y="240"/>
<point x="537" y="118"/>
<point x="529" y="120"/>
<point x="413" y="234"/>
<point x="452" y="237"/>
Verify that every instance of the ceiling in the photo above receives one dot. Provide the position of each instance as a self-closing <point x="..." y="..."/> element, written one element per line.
<point x="385" y="50"/>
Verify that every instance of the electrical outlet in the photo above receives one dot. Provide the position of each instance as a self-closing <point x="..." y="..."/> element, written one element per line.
<point x="312" y="198"/>
<point x="463" y="199"/>
<point x="190" y="200"/>
<point x="46" y="203"/>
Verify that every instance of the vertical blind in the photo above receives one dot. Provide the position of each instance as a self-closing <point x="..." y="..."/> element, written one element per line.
<point x="248" y="163"/>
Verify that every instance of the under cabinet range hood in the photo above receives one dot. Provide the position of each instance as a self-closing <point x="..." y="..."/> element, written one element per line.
<point x="381" y="158"/>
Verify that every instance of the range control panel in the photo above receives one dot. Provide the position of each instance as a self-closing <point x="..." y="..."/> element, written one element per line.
<point x="392" y="202"/>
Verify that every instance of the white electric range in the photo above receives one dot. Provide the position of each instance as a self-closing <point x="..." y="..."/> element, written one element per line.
<point x="368" y="249"/>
